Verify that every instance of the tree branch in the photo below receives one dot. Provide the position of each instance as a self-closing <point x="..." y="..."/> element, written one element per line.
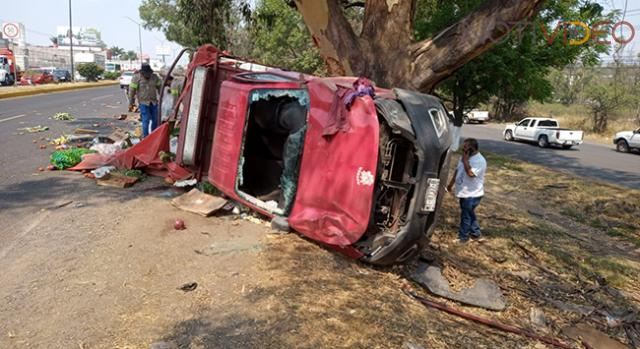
<point x="333" y="35"/>
<point x="437" y="58"/>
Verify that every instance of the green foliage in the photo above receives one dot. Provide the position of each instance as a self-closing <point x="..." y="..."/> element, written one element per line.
<point x="116" y="51"/>
<point x="90" y="71"/>
<point x="516" y="70"/>
<point x="129" y="55"/>
<point x="280" y="38"/>
<point x="63" y="159"/>
<point x="111" y="75"/>
<point x="192" y="23"/>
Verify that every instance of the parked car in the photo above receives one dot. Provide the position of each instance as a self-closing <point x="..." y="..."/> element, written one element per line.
<point x="543" y="131"/>
<point x="125" y="79"/>
<point x="61" y="75"/>
<point x="476" y="116"/>
<point x="627" y="141"/>
<point x="368" y="182"/>
<point x="36" y="77"/>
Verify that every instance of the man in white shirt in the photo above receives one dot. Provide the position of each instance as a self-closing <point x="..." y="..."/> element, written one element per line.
<point x="469" y="180"/>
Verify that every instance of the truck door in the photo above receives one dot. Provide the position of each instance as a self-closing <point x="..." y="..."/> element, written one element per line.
<point x="338" y="170"/>
<point x="521" y="129"/>
<point x="634" y="140"/>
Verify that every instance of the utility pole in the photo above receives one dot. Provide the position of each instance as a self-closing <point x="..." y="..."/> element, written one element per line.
<point x="139" y="35"/>
<point x="73" y="76"/>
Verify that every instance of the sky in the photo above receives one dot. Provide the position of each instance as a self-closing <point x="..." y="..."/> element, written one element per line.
<point x="41" y="18"/>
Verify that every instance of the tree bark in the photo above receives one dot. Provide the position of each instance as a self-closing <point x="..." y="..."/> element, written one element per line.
<point x="385" y="50"/>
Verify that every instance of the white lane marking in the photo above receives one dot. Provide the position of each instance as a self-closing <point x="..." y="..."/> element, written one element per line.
<point x="99" y="98"/>
<point x="12" y="117"/>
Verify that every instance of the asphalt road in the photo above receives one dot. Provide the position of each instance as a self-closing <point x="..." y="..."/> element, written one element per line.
<point x="596" y="161"/>
<point x="20" y="156"/>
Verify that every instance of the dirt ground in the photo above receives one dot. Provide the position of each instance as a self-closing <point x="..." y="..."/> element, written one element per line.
<point x="104" y="273"/>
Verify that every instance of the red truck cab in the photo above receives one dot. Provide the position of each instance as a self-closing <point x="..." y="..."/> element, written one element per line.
<point x="367" y="180"/>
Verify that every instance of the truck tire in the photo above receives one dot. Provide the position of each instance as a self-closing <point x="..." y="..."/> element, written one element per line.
<point x="622" y="146"/>
<point x="465" y="120"/>
<point x="567" y="146"/>
<point x="508" y="135"/>
<point x="543" y="141"/>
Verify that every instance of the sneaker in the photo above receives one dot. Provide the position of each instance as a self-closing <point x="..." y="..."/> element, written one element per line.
<point x="478" y="238"/>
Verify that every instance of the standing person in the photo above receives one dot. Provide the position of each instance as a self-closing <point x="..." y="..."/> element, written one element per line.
<point x="146" y="85"/>
<point x="469" y="181"/>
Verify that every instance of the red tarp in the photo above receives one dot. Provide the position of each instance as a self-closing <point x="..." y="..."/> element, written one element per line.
<point x="143" y="155"/>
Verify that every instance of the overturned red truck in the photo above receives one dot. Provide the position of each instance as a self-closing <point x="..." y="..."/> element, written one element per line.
<point x="362" y="174"/>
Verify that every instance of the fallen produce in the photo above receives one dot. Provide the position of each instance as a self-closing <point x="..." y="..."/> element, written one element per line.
<point x="63" y="117"/>
<point x="63" y="159"/>
<point x="34" y="129"/>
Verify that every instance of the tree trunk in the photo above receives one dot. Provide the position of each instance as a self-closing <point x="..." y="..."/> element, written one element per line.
<point x="385" y="50"/>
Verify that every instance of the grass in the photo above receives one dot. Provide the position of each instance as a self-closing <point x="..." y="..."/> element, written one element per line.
<point x="578" y="116"/>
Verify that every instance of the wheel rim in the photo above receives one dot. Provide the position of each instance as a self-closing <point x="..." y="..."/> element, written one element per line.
<point x="542" y="142"/>
<point x="622" y="146"/>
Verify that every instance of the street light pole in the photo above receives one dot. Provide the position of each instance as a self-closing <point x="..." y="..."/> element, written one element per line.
<point x="73" y="76"/>
<point x="139" y="34"/>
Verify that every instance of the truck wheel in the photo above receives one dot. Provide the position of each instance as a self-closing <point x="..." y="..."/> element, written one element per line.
<point x="622" y="146"/>
<point x="465" y="120"/>
<point x="567" y="146"/>
<point x="543" y="142"/>
<point x="508" y="136"/>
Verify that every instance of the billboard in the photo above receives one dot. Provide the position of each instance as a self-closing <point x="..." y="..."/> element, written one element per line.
<point x="87" y="37"/>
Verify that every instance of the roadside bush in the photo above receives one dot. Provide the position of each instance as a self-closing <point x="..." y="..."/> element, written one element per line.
<point x="90" y="71"/>
<point x="111" y="75"/>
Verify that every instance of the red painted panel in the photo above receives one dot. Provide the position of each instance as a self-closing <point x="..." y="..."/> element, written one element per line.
<point x="335" y="186"/>
<point x="227" y="144"/>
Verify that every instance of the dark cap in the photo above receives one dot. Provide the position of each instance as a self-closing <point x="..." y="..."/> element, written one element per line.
<point x="145" y="68"/>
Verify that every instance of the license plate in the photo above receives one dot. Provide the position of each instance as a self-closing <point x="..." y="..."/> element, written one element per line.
<point x="431" y="195"/>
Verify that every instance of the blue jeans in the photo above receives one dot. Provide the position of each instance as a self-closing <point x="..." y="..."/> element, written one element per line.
<point x="149" y="114"/>
<point x="468" y="223"/>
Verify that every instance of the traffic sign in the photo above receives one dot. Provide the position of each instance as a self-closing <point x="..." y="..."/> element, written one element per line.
<point x="10" y="30"/>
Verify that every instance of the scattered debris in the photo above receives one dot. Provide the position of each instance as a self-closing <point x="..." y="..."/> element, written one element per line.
<point x="592" y="337"/>
<point x="484" y="293"/>
<point x="280" y="224"/>
<point x="198" y="202"/>
<point x="411" y="345"/>
<point x="538" y="319"/>
<point x="117" y="180"/>
<point x="186" y="183"/>
<point x="119" y="135"/>
<point x="61" y="205"/>
<point x="166" y="156"/>
<point x="43" y="146"/>
<point x="51" y="168"/>
<point x="63" y="117"/>
<point x="102" y="171"/>
<point x="34" y="129"/>
<point x="63" y="159"/>
<point x="179" y="225"/>
<point x="85" y="131"/>
<point x="60" y="140"/>
<point x="163" y="345"/>
<point x="188" y="287"/>
<point x="106" y="148"/>
<point x="488" y="322"/>
<point x="120" y="117"/>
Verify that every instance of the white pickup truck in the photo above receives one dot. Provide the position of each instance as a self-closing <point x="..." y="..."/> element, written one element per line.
<point x="627" y="141"/>
<point x="478" y="116"/>
<point x="543" y="131"/>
